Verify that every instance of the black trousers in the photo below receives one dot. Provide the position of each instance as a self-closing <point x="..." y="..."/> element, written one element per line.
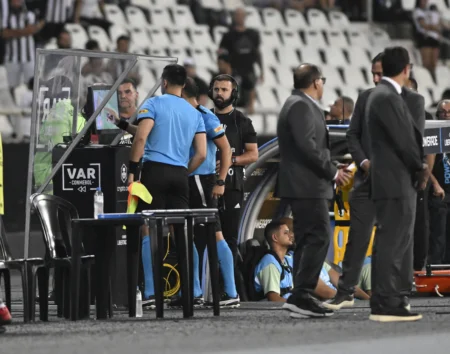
<point x="362" y="221"/>
<point x="312" y="237"/>
<point x="439" y="251"/>
<point x="230" y="206"/>
<point x="421" y="230"/>
<point x="392" y="259"/>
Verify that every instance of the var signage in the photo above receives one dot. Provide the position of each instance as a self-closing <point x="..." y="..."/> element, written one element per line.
<point x="80" y="178"/>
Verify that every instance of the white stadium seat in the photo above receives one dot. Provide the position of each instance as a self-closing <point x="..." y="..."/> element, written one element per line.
<point x="218" y="33"/>
<point x="204" y="73"/>
<point x="269" y="39"/>
<point x="183" y="17"/>
<point x="179" y="53"/>
<point x="423" y="77"/>
<point x="202" y="58"/>
<point x="136" y="17"/>
<point x="159" y="36"/>
<point x="200" y="35"/>
<point x="335" y="57"/>
<point x="442" y="77"/>
<point x="359" y="57"/>
<point x="339" y="20"/>
<point x="271" y="123"/>
<point x="267" y="98"/>
<point x="115" y="32"/>
<point x="269" y="57"/>
<point x="215" y="5"/>
<point x="253" y="19"/>
<point x="359" y="39"/>
<point x="332" y="75"/>
<point x="295" y="20"/>
<point x="272" y="19"/>
<point x="354" y="77"/>
<point x="140" y="39"/>
<point x="164" y="3"/>
<point x="408" y="5"/>
<point x="291" y="39"/>
<point x="257" y="122"/>
<point x="283" y="93"/>
<point x="144" y="4"/>
<point x="270" y="79"/>
<point x="115" y="15"/>
<point x="350" y="92"/>
<point x="315" y="38"/>
<point x="160" y="17"/>
<point x="337" y="38"/>
<point x="78" y="35"/>
<point x="285" y="75"/>
<point x="317" y="19"/>
<point x="157" y="51"/>
<point x="179" y="37"/>
<point x="99" y="34"/>
<point x="289" y="57"/>
<point x="329" y="95"/>
<point x="380" y="37"/>
<point x="232" y="4"/>
<point x="310" y="55"/>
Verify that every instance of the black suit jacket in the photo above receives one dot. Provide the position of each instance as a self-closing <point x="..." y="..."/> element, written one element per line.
<point x="306" y="170"/>
<point x="357" y="133"/>
<point x="396" y="151"/>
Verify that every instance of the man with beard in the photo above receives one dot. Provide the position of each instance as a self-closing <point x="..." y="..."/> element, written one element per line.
<point x="362" y="208"/>
<point x="224" y="92"/>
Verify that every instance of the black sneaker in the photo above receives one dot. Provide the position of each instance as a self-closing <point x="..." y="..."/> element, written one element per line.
<point x="398" y="314"/>
<point x="229" y="302"/>
<point x="339" y="301"/>
<point x="149" y="303"/>
<point x="307" y="307"/>
<point x="176" y="302"/>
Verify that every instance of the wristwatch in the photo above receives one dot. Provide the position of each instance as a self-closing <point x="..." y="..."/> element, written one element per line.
<point x="220" y="182"/>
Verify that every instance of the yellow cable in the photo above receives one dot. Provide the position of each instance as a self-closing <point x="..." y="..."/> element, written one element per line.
<point x="174" y="290"/>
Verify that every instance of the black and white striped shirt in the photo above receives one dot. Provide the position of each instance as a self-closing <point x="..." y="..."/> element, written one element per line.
<point x="19" y="50"/>
<point x="59" y="11"/>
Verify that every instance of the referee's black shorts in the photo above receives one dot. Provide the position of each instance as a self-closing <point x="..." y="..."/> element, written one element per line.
<point x="168" y="185"/>
<point x="200" y="194"/>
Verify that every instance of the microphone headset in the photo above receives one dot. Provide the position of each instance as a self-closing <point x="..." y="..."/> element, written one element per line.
<point x="222" y="77"/>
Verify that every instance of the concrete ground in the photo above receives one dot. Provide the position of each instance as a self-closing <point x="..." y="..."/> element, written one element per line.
<point x="254" y="328"/>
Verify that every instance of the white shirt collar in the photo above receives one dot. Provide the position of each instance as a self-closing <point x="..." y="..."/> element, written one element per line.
<point x="315" y="102"/>
<point x="397" y="87"/>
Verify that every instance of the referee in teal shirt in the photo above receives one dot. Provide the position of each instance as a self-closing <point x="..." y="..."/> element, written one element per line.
<point x="167" y="127"/>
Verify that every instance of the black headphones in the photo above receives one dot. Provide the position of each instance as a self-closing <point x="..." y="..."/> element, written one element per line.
<point x="234" y="93"/>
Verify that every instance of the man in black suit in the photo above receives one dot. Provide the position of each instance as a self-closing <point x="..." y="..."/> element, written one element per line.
<point x="305" y="182"/>
<point x="396" y="168"/>
<point x="362" y="208"/>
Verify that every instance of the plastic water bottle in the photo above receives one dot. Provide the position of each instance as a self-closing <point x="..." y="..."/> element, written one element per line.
<point x="98" y="202"/>
<point x="138" y="303"/>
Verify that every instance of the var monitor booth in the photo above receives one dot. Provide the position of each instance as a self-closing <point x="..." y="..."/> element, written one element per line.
<point x="260" y="204"/>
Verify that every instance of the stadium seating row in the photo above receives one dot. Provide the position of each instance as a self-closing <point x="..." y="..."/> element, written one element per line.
<point x="343" y="51"/>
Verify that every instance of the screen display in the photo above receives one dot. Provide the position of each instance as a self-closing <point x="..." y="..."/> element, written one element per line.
<point x="102" y="122"/>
